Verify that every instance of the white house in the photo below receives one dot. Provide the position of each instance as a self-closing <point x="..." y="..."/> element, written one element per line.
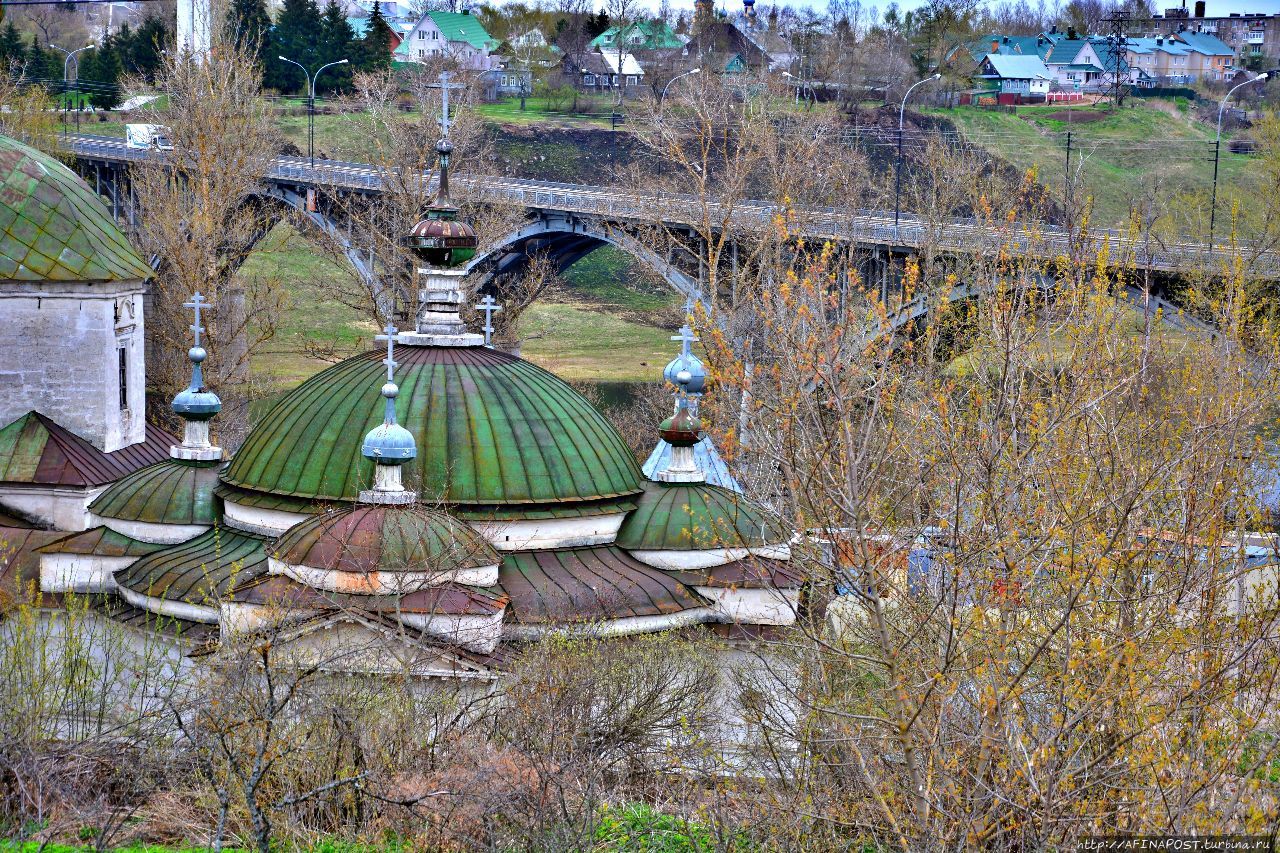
<point x="458" y="35"/>
<point x="1016" y="75"/>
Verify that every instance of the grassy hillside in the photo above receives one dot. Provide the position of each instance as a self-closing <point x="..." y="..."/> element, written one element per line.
<point x="1144" y="149"/>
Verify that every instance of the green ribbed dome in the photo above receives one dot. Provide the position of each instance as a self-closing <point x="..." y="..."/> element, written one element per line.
<point x="490" y="428"/>
<point x="694" y="517"/>
<point x="174" y="491"/>
<point x="53" y="227"/>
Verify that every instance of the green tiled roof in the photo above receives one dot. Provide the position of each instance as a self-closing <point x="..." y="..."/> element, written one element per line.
<point x="458" y="26"/>
<point x="174" y="491"/>
<point x="696" y="516"/>
<point x="491" y="429"/>
<point x="53" y="227"/>
<point x="200" y="571"/>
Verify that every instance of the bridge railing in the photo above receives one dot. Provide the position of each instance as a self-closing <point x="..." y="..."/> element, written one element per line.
<point x="872" y="227"/>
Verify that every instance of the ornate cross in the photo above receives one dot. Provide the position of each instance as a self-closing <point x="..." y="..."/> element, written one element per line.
<point x="489" y="307"/>
<point x="685" y="337"/>
<point x="390" y="338"/>
<point x="197" y="302"/>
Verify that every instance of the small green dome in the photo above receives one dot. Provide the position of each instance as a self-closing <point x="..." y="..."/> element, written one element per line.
<point x="490" y="429"/>
<point x="696" y="517"/>
<point x="53" y="227"/>
<point x="174" y="491"/>
<point x="377" y="538"/>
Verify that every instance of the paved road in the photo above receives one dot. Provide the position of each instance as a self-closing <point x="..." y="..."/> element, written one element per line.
<point x="871" y="228"/>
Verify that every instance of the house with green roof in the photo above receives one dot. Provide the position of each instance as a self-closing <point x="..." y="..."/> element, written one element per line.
<point x="458" y="35"/>
<point x="640" y="36"/>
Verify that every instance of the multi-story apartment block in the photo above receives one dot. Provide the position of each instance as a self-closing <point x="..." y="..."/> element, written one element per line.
<point x="1254" y="37"/>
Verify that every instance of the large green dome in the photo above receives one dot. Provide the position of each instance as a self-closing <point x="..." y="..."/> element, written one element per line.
<point x="53" y="227"/>
<point x="491" y="429"/>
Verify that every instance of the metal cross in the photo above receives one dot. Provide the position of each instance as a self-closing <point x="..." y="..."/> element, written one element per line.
<point x="390" y="338"/>
<point x="444" y="87"/>
<point x="489" y="307"/>
<point x="197" y="302"/>
<point x="685" y="337"/>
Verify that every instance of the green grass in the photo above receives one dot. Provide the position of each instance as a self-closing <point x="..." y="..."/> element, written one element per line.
<point x="1151" y="149"/>
<point x="309" y="319"/>
<point x="575" y="342"/>
<point x="593" y="111"/>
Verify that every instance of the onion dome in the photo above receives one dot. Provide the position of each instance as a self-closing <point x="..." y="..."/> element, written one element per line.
<point x="388" y="445"/>
<point x="53" y="227"/>
<point x="491" y="430"/>
<point x="379" y="550"/>
<point x="688" y="362"/>
<point x="439" y="238"/>
<point x="681" y="429"/>
<point x="697" y="516"/>
<point x="195" y="404"/>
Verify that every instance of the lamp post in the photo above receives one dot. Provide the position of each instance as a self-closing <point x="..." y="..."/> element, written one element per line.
<point x="66" y="63"/>
<point x="897" y="179"/>
<point x="663" y="96"/>
<point x="311" y="102"/>
<point x="1217" y="150"/>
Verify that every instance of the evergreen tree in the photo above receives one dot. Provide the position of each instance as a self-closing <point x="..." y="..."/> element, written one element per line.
<point x="44" y="66"/>
<point x="146" y="51"/>
<point x="375" y="47"/>
<point x="99" y="75"/>
<point x="249" y="28"/>
<point x="597" y="23"/>
<point x="337" y="42"/>
<point x="12" y="51"/>
<point x="296" y="35"/>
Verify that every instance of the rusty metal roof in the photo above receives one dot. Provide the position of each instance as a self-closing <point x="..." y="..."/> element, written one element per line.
<point x="53" y="227"/>
<point x="491" y="429"/>
<point x="101" y="541"/>
<point x="200" y="571"/>
<point x="34" y="449"/>
<point x="586" y="585"/>
<point x="697" y="516"/>
<point x="747" y="573"/>
<point x="376" y="538"/>
<point x="20" y="560"/>
<point x="175" y="491"/>
<point x="449" y="599"/>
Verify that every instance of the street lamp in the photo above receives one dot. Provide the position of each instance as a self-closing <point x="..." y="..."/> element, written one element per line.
<point x="311" y="102"/>
<point x="663" y="96"/>
<point x="66" y="63"/>
<point x="897" y="179"/>
<point x="798" y="84"/>
<point x="1217" y="149"/>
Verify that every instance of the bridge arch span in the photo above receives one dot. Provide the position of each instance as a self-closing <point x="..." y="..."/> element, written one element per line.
<point x="565" y="240"/>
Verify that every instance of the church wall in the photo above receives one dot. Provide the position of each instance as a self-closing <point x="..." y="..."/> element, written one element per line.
<point x="753" y="606"/>
<point x="161" y="534"/>
<point x="63" y="507"/>
<point x="533" y="534"/>
<point x="477" y="633"/>
<point x="60" y="349"/>
<point x="265" y="522"/>
<point x="80" y="572"/>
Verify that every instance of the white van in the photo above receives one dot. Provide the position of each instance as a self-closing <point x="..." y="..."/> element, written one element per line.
<point x="151" y="136"/>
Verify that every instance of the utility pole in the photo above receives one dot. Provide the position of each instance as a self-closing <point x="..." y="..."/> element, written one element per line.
<point x="1066" y="185"/>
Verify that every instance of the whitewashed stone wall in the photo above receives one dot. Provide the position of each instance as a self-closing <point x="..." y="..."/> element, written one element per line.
<point x="59" y="355"/>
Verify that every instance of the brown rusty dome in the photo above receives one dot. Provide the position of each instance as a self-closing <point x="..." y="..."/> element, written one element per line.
<point x="376" y="538"/>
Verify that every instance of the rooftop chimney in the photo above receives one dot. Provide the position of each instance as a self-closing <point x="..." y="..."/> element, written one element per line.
<point x="995" y="46"/>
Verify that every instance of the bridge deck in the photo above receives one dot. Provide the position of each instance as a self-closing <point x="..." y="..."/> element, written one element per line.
<point x="867" y="228"/>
